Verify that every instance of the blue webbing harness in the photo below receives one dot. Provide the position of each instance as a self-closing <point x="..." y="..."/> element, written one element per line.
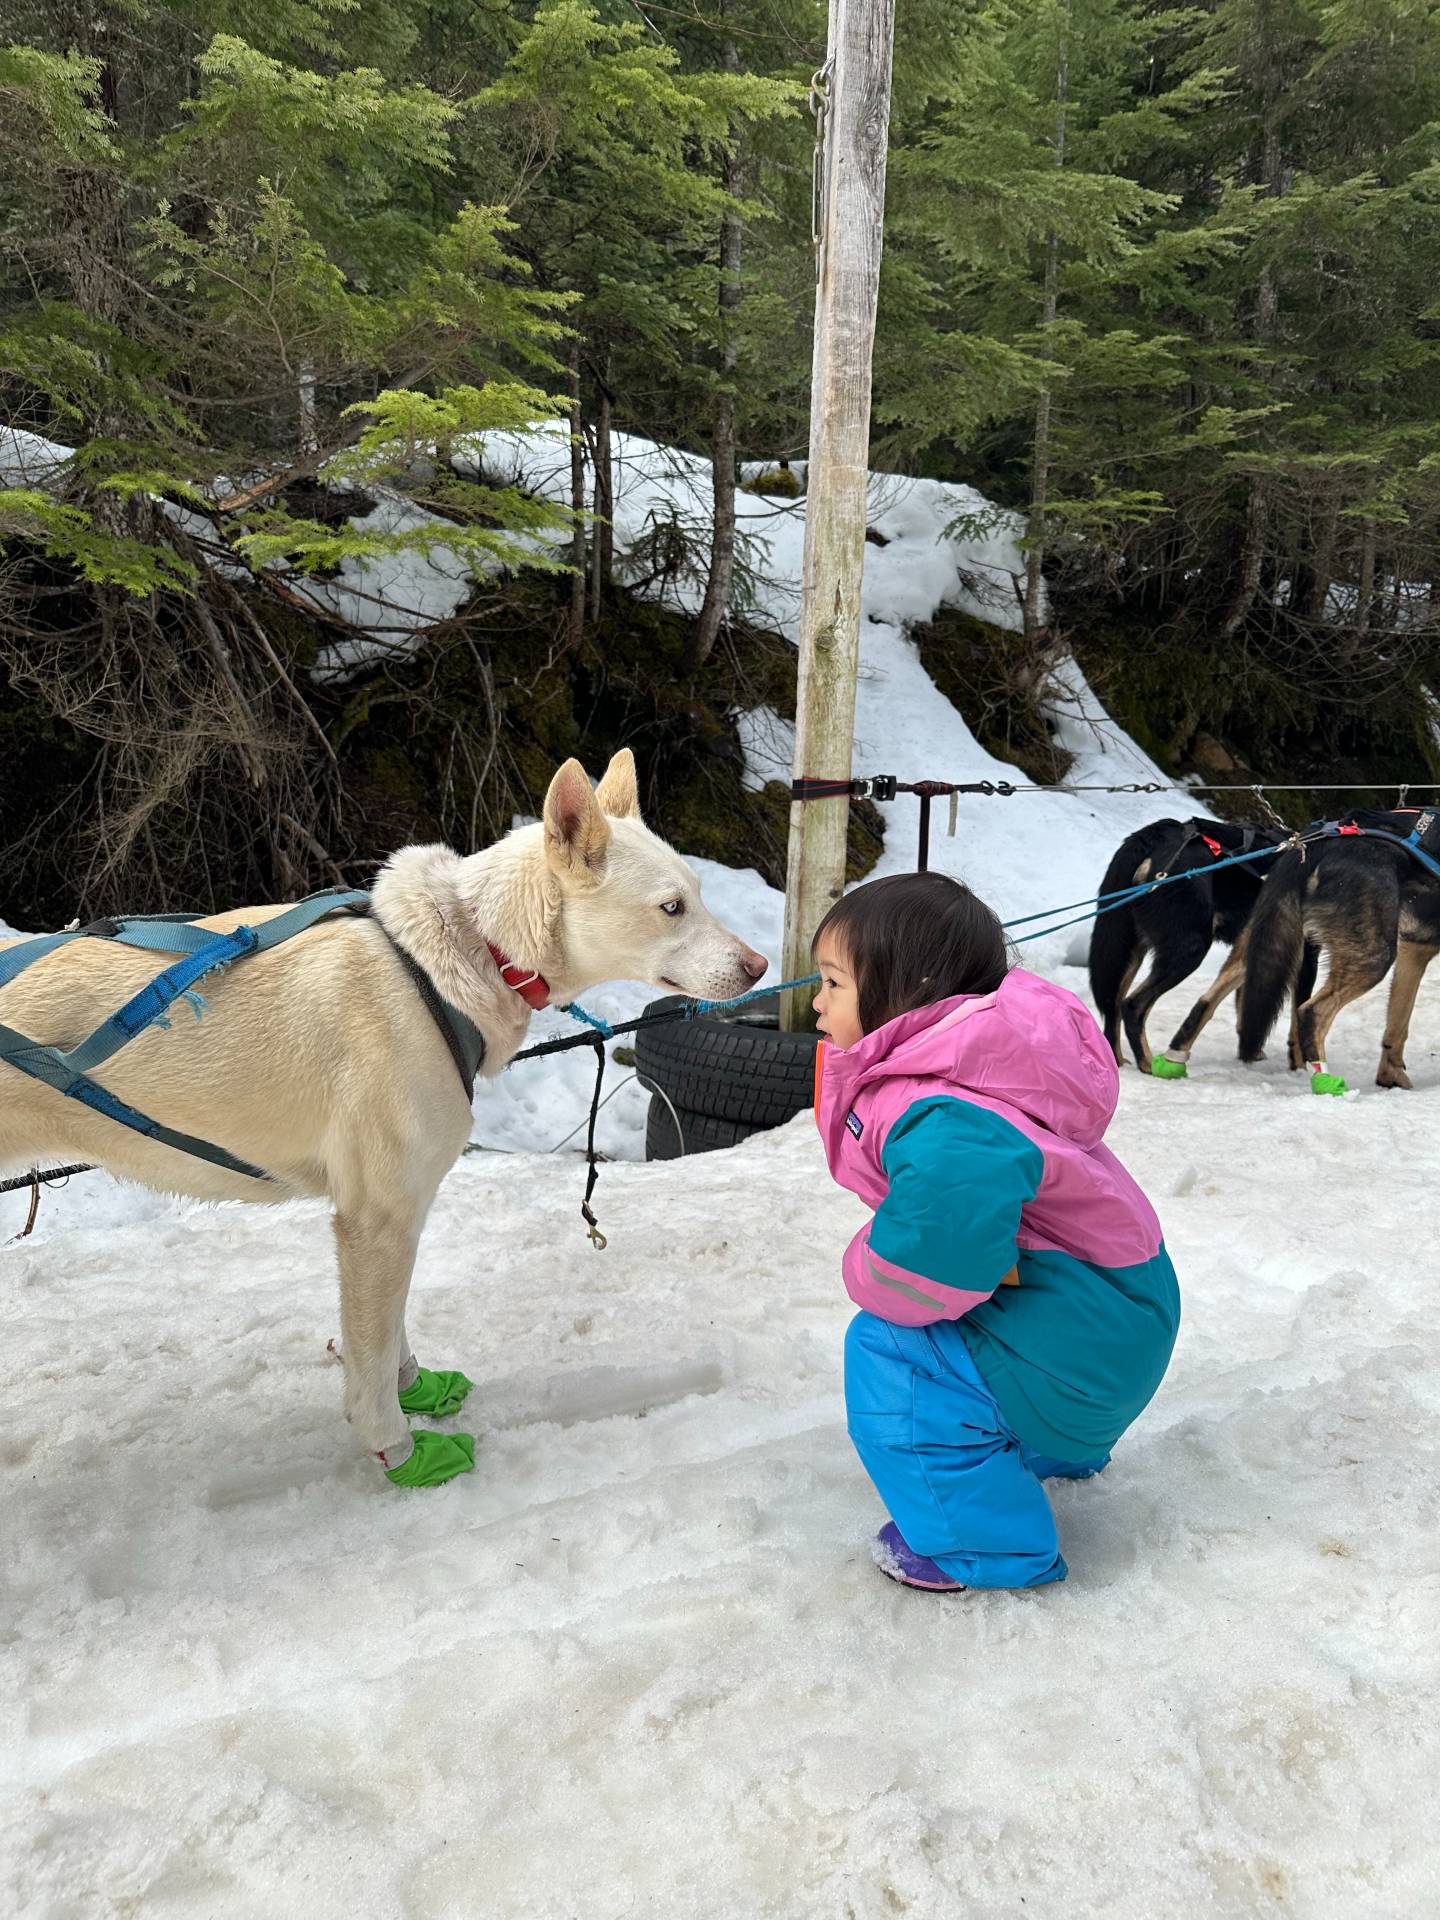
<point x="200" y="951"/>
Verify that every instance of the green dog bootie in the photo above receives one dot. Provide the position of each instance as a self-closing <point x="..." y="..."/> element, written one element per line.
<point x="438" y="1394"/>
<point x="1163" y="1069"/>
<point x="438" y="1457"/>
<point x="1327" y="1083"/>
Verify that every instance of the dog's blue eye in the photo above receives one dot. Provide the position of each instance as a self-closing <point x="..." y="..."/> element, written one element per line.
<point x="674" y="908"/>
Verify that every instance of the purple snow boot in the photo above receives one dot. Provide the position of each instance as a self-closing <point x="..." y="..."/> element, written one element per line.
<point x="898" y="1562"/>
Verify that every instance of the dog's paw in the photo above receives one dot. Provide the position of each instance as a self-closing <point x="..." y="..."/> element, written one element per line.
<point x="1163" y="1069"/>
<point x="438" y="1457"/>
<point x="438" y="1394"/>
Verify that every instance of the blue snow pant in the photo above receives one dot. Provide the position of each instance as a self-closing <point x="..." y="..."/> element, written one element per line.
<point x="963" y="1490"/>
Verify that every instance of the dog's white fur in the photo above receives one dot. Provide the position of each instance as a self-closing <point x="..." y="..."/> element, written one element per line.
<point x="319" y="1062"/>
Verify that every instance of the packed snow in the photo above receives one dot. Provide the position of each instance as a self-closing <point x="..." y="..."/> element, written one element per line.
<point x="639" y="1662"/>
<point x="29" y="459"/>
<point x="243" y="1677"/>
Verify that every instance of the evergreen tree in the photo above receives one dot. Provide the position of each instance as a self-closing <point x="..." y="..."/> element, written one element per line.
<point x="634" y="195"/>
<point x="227" y="273"/>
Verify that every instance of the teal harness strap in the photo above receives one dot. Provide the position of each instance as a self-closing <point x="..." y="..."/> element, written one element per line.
<point x="14" y="960"/>
<point x="201" y="951"/>
<point x="42" y="1063"/>
<point x="165" y="933"/>
<point x="1410" y="844"/>
<point x="154" y="1000"/>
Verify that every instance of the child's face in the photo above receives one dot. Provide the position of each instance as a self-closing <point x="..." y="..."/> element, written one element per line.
<point x="837" y="1000"/>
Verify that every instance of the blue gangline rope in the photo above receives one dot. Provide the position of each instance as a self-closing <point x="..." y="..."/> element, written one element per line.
<point x="1099" y="902"/>
<point x="1122" y="894"/>
<point x="755" y="993"/>
<point x="602" y="1027"/>
<point x="692" y="1008"/>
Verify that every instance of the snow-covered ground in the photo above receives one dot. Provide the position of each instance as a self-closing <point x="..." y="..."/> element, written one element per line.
<point x="639" y="1663"/>
<point x="241" y="1677"/>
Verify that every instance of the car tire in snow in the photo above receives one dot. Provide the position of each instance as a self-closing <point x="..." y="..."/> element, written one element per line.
<point x="735" y="1065"/>
<point x="670" y="1134"/>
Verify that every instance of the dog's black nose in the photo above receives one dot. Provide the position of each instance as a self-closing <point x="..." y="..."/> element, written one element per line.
<point x="755" y="965"/>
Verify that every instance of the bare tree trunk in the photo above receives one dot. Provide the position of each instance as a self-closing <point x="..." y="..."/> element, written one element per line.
<point x="1365" y="600"/>
<point x="308" y="434"/>
<point x="1252" y="555"/>
<point x="1397" y="598"/>
<point x="602" y="536"/>
<point x="1267" y="309"/>
<point x="1313" y="581"/>
<point x="575" y="622"/>
<point x="716" y="603"/>
<point x="1040" y="473"/>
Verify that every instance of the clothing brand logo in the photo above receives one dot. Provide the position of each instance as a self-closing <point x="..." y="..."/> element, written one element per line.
<point x="854" y="1123"/>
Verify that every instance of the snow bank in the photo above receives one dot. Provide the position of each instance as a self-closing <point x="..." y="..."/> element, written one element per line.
<point x="29" y="459"/>
<point x="654" y="485"/>
<point x="392" y="600"/>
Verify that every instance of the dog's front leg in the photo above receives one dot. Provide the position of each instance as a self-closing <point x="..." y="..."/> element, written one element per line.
<point x="377" y="1256"/>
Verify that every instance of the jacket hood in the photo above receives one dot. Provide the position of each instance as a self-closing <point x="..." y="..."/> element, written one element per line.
<point x="1030" y="1044"/>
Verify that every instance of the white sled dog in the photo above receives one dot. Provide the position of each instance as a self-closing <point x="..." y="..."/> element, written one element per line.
<point x="319" y="1062"/>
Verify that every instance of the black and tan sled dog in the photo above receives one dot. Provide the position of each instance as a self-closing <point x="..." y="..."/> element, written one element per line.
<point x="1368" y="904"/>
<point x="1175" y="925"/>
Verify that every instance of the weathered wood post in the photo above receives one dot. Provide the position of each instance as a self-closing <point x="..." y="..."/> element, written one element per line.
<point x="852" y="93"/>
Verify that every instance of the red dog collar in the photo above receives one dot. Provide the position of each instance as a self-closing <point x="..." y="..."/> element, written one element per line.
<point x="532" y="987"/>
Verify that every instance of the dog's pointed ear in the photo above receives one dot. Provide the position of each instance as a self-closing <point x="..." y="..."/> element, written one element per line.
<point x="618" y="793"/>
<point x="577" y="834"/>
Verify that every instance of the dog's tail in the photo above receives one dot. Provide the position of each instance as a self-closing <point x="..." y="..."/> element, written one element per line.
<point x="1115" y="938"/>
<point x="1277" y="945"/>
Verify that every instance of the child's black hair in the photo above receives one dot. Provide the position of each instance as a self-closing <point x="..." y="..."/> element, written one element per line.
<point x="914" y="939"/>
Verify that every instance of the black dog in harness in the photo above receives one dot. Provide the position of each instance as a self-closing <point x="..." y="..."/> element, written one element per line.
<point x="1175" y="925"/>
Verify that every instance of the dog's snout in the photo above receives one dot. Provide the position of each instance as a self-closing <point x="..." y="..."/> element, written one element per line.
<point x="756" y="966"/>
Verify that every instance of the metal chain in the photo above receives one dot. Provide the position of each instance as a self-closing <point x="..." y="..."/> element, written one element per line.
<point x="1275" y="820"/>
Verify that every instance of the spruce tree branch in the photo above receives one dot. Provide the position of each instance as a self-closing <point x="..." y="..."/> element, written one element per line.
<point x="303" y="469"/>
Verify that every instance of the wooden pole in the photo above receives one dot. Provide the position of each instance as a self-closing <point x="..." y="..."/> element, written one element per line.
<point x="853" y="93"/>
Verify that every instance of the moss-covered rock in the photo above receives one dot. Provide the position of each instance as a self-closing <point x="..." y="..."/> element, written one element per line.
<point x="462" y="737"/>
<point x="1274" y="710"/>
<point x="987" y="675"/>
<point x="779" y="480"/>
